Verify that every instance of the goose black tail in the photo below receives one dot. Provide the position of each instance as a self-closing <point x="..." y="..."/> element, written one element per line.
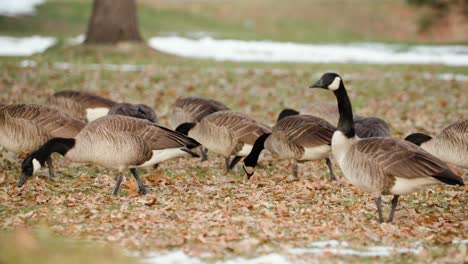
<point x="449" y="178"/>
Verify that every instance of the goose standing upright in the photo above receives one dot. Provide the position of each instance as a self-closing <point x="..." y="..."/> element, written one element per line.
<point x="26" y="127"/>
<point x="296" y="137"/>
<point x="382" y="166"/>
<point x="450" y="145"/>
<point x="227" y="133"/>
<point x="116" y="142"/>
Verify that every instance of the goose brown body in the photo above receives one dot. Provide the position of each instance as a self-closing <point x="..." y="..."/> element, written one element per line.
<point x="26" y="127"/>
<point x="193" y="110"/>
<point x="121" y="142"/>
<point x="292" y="136"/>
<point x="228" y="133"/>
<point x="451" y="144"/>
<point x="141" y="111"/>
<point x="81" y="105"/>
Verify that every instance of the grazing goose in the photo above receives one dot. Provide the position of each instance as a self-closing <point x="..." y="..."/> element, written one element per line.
<point x="365" y="126"/>
<point x="382" y="166"/>
<point x="450" y="145"/>
<point x="296" y="137"/>
<point x="141" y="111"/>
<point x="116" y="142"/>
<point x="84" y="106"/>
<point x="227" y="133"/>
<point x="26" y="127"/>
<point x="193" y="110"/>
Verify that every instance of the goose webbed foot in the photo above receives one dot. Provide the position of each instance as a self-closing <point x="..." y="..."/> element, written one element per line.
<point x="118" y="181"/>
<point x="51" y="168"/>
<point x="203" y="152"/>
<point x="141" y="186"/>
<point x="378" y="202"/>
<point x="394" y="205"/>
<point x="330" y="168"/>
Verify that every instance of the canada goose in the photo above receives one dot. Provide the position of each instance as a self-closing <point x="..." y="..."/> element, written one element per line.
<point x="365" y="126"/>
<point x="296" y="137"/>
<point x="26" y="127"/>
<point x="227" y="133"/>
<point x="382" y="166"/>
<point x="193" y="110"/>
<point x="134" y="110"/>
<point x="116" y="142"/>
<point x="84" y="106"/>
<point x="450" y="145"/>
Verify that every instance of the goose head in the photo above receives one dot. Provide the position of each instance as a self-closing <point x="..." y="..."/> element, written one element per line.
<point x="29" y="166"/>
<point x="330" y="81"/>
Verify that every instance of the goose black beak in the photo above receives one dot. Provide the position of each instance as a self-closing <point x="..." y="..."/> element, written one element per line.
<point x="22" y="180"/>
<point x="318" y="84"/>
<point x="248" y="170"/>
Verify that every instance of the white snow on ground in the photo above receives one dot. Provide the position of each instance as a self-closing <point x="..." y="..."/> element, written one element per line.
<point x="268" y="51"/>
<point x="18" y="7"/>
<point x="12" y="46"/>
<point x="339" y="248"/>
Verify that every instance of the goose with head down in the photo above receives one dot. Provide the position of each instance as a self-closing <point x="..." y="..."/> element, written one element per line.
<point x="227" y="133"/>
<point x="116" y="142"/>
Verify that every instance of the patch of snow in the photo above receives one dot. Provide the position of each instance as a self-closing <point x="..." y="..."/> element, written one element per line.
<point x="460" y="241"/>
<point x="76" y="40"/>
<point x="12" y="46"/>
<point x="342" y="248"/>
<point x="19" y="7"/>
<point x="173" y="257"/>
<point x="105" y="66"/>
<point x="265" y="259"/>
<point x="269" y="51"/>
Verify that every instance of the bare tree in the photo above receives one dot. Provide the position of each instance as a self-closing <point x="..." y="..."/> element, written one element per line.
<point x="113" y="21"/>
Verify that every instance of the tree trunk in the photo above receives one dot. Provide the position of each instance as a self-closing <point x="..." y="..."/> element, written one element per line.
<point x="113" y="21"/>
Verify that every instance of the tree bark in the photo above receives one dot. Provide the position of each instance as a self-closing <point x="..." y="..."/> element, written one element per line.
<point x="113" y="21"/>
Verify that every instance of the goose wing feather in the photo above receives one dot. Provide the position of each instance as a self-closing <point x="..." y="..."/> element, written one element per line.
<point x="399" y="158"/>
<point x="371" y="127"/>
<point x="305" y="130"/>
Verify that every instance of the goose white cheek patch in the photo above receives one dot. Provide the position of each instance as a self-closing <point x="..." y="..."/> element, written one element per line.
<point x="36" y="165"/>
<point x="335" y="84"/>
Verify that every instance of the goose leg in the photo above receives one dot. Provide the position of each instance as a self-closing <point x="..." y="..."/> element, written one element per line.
<point x="118" y="181"/>
<point x="234" y="161"/>
<point x="51" y="168"/>
<point x="203" y="152"/>
<point x="141" y="186"/>
<point x="226" y="162"/>
<point x="330" y="167"/>
<point x="378" y="201"/>
<point x="295" y="169"/>
<point x="394" y="205"/>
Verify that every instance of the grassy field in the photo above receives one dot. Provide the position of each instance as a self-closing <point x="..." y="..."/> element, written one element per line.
<point x="195" y="206"/>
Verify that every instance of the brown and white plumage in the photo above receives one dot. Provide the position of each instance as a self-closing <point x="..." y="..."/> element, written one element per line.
<point x="117" y="142"/>
<point x="227" y="133"/>
<point x="381" y="165"/>
<point x="297" y="137"/>
<point x="365" y="126"/>
<point x="81" y="105"/>
<point x="193" y="109"/>
<point x="450" y="145"/>
<point x="26" y="127"/>
<point x="141" y="111"/>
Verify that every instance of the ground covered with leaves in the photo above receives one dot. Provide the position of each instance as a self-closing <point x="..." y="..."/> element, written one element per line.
<point x="195" y="206"/>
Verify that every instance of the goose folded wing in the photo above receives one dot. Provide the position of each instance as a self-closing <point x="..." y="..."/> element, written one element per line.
<point x="307" y="131"/>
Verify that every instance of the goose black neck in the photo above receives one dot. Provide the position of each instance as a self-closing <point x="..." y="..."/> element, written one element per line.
<point x="58" y="145"/>
<point x="252" y="159"/>
<point x="184" y="128"/>
<point x="346" y="122"/>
